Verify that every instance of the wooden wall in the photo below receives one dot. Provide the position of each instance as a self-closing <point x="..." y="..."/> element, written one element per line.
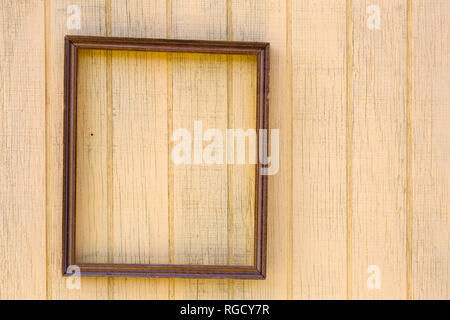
<point x="363" y="113"/>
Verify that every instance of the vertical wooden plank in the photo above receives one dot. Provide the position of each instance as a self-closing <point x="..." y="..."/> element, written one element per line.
<point x="140" y="221"/>
<point x="241" y="177"/>
<point x="379" y="150"/>
<point x="92" y="22"/>
<point x="138" y="18"/>
<point x="200" y="20"/>
<point x="200" y="190"/>
<point x="22" y="150"/>
<point x="91" y="201"/>
<point x="319" y="157"/>
<point x="266" y="21"/>
<point x="139" y="150"/>
<point x="430" y="98"/>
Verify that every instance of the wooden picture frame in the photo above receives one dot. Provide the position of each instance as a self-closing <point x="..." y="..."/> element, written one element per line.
<point x="72" y="45"/>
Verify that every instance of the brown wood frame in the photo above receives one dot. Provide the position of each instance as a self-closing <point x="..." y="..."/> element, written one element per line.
<point x="72" y="45"/>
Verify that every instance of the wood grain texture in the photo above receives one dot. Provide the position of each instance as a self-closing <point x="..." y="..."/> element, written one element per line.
<point x="22" y="151"/>
<point x="91" y="172"/>
<point x="430" y="107"/>
<point x="198" y="96"/>
<point x="92" y="23"/>
<point x="202" y="20"/>
<point x="348" y="144"/>
<point x="241" y="196"/>
<point x="266" y="21"/>
<point x="379" y="150"/>
<point x="139" y="159"/>
<point x="318" y="150"/>
<point x="138" y="18"/>
<point x="141" y="19"/>
<point x="200" y="190"/>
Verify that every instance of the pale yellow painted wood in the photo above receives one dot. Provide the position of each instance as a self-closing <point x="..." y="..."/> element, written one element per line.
<point x="241" y="178"/>
<point x="139" y="149"/>
<point x="241" y="193"/>
<point x="200" y="20"/>
<point x="140" y="160"/>
<point x="206" y="20"/>
<point x="92" y="181"/>
<point x="266" y="21"/>
<point x="92" y="14"/>
<point x="309" y="199"/>
<point x="379" y="151"/>
<point x="200" y="190"/>
<point x="22" y="151"/>
<point x="430" y="110"/>
<point x="319" y="150"/>
<point x="138" y="18"/>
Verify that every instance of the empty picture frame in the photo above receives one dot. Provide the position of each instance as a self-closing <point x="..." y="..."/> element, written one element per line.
<point x="72" y="46"/>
